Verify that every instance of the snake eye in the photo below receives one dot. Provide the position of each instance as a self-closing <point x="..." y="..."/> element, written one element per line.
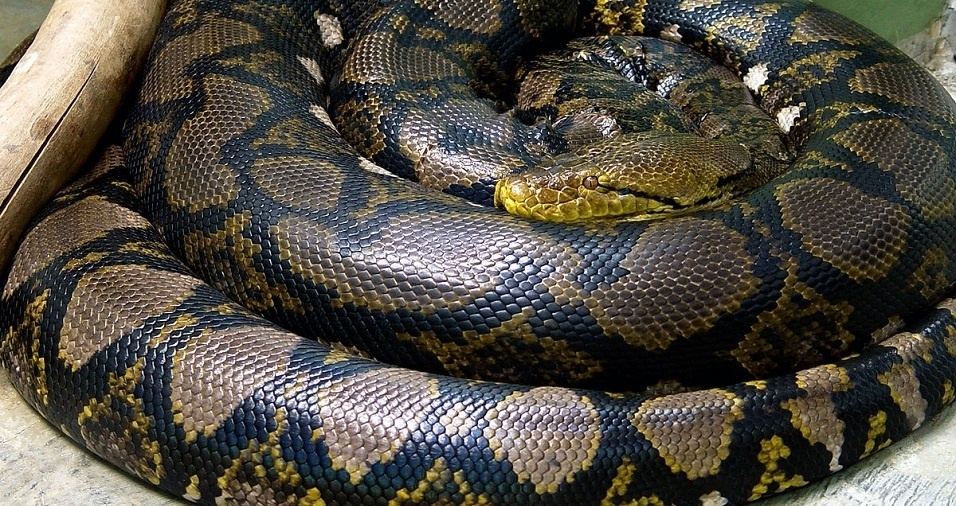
<point x="590" y="182"/>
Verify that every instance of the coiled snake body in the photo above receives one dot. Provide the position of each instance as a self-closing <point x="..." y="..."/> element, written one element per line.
<point x="233" y="158"/>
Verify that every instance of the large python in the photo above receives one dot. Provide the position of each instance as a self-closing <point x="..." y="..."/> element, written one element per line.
<point x="112" y="339"/>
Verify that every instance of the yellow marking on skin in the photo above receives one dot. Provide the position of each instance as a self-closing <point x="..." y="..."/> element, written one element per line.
<point x="801" y="327"/>
<point x="877" y="430"/>
<point x="805" y="73"/>
<point x="624" y="476"/>
<point x="228" y="250"/>
<point x="547" y="434"/>
<point x="948" y="393"/>
<point x="620" y="21"/>
<point x="931" y="273"/>
<point x="112" y="433"/>
<point x="772" y="451"/>
<point x="755" y="24"/>
<point x="21" y="345"/>
<point x="87" y="259"/>
<point x="476" y="353"/>
<point x="192" y="490"/>
<point x="692" y="430"/>
<point x="239" y="487"/>
<point x="436" y="484"/>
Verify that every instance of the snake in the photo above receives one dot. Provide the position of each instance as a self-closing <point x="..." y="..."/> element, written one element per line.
<point x="237" y="307"/>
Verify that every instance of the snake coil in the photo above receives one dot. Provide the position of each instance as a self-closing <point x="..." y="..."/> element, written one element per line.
<point x="230" y="153"/>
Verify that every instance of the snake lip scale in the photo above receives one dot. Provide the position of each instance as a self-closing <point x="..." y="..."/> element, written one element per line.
<point x="817" y="321"/>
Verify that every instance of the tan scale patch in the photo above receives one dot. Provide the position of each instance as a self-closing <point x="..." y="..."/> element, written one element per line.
<point x="906" y="84"/>
<point x="675" y="291"/>
<point x="860" y="234"/>
<point x="949" y="341"/>
<point x="902" y="380"/>
<point x="486" y="12"/>
<point x="378" y="60"/>
<point x="814" y="26"/>
<point x="217" y="370"/>
<point x="302" y="185"/>
<point x="921" y="168"/>
<point x="692" y="5"/>
<point x="98" y="217"/>
<point x="313" y="68"/>
<point x="756" y="25"/>
<point x="691" y="430"/>
<point x="86" y="331"/>
<point x="214" y="35"/>
<point x="367" y="417"/>
<point x="202" y="181"/>
<point x="302" y="243"/>
<point x="815" y="415"/>
<point x="388" y="275"/>
<point x="330" y="29"/>
<point x="547" y="434"/>
<point x="772" y="451"/>
<point x="714" y="498"/>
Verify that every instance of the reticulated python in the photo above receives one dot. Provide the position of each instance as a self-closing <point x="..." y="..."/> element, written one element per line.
<point x="113" y="340"/>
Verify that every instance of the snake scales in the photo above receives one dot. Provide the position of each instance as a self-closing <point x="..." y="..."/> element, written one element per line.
<point x="113" y="340"/>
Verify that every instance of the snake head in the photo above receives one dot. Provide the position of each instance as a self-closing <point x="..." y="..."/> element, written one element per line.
<point x="638" y="176"/>
<point x="561" y="194"/>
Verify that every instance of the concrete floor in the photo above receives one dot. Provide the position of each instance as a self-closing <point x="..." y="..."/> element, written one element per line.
<point x="40" y="466"/>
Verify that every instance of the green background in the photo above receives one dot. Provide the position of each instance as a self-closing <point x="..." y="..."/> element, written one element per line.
<point x="895" y="20"/>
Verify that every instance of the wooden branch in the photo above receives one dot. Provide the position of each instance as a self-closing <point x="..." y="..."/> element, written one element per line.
<point x="61" y="97"/>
